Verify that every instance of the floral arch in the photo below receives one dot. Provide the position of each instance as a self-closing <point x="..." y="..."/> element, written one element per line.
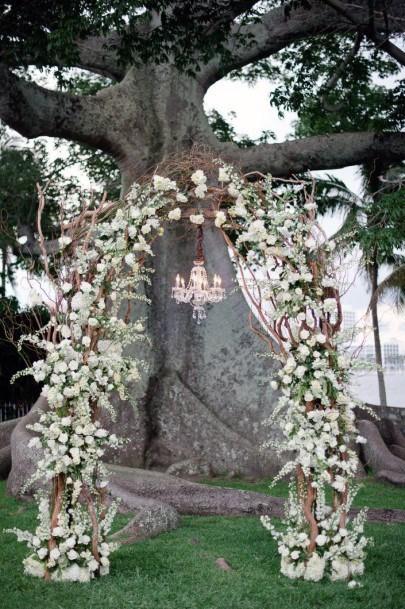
<point x="288" y="273"/>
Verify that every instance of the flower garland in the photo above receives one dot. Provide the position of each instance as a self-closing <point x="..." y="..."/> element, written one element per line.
<point x="294" y="295"/>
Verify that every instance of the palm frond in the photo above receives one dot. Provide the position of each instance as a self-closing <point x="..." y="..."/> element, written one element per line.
<point x="392" y="287"/>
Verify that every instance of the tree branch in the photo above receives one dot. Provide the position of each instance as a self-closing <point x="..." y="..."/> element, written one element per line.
<point x="369" y="29"/>
<point x="319" y="152"/>
<point x="332" y="82"/>
<point x="274" y="32"/>
<point x="94" y="55"/>
<point x="35" y="111"/>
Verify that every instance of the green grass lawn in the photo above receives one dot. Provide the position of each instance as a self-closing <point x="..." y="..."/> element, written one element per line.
<point x="371" y="493"/>
<point x="177" y="570"/>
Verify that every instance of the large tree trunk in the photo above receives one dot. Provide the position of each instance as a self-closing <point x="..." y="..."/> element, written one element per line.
<point x="204" y="395"/>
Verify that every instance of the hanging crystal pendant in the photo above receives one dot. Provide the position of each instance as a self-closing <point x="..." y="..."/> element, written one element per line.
<point x="198" y="292"/>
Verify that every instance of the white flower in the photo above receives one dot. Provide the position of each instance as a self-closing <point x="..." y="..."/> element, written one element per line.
<point x="197" y="218"/>
<point x="64" y="241"/>
<point x="35" y="298"/>
<point x="66" y="287"/>
<point x="86" y="340"/>
<point x="321" y="540"/>
<point x="174" y="214"/>
<point x="220" y="218"/>
<point x="23" y="239"/>
<point x="304" y="334"/>
<point x="300" y="371"/>
<point x="85" y="287"/>
<point x="310" y="243"/>
<point x="34" y="567"/>
<point x="315" y="568"/>
<point x="198" y="177"/>
<point x="130" y="259"/>
<point x="42" y="552"/>
<point x="223" y="175"/>
<point x="295" y="555"/>
<point x="54" y="554"/>
<point x="320" y="338"/>
<point x="181" y="198"/>
<point x="58" y="532"/>
<point x="200" y="191"/>
<point x="65" y="331"/>
<point x="233" y="191"/>
<point x="361" y="440"/>
<point x="164" y="184"/>
<point x="34" y="443"/>
<point x="274" y="385"/>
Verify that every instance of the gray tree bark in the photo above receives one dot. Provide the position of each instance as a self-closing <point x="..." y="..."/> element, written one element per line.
<point x="203" y="395"/>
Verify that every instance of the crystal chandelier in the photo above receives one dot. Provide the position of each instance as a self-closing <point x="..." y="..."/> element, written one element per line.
<point x="198" y="293"/>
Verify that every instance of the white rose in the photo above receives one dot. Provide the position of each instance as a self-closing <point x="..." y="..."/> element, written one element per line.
<point x="181" y="198"/>
<point x="198" y="177"/>
<point x="66" y="287"/>
<point x="220" y="218"/>
<point x="35" y="298"/>
<point x="304" y="334"/>
<point x="70" y="542"/>
<point x="85" y="287"/>
<point x="57" y="532"/>
<point x="274" y="385"/>
<point x="72" y="555"/>
<point x="321" y="540"/>
<point x="223" y="175"/>
<point x="310" y="243"/>
<point x="197" y="218"/>
<point x="233" y="191"/>
<point x="65" y="331"/>
<point x="174" y="214"/>
<point x="200" y="191"/>
<point x="64" y="241"/>
<point x="54" y="554"/>
<point x="86" y="340"/>
<point x="130" y="259"/>
<point x="42" y="552"/>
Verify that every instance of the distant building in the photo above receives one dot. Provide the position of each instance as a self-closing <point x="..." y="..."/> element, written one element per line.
<point x="348" y="320"/>
<point x="367" y="353"/>
<point x="391" y="357"/>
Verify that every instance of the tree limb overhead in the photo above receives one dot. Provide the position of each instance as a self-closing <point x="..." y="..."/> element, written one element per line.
<point x="273" y="32"/>
<point x="34" y="111"/>
<point x="318" y="152"/>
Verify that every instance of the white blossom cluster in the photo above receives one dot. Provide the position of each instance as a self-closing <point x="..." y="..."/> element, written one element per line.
<point x="84" y="363"/>
<point x="339" y="552"/>
<point x="69" y="558"/>
<point x="297" y="291"/>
